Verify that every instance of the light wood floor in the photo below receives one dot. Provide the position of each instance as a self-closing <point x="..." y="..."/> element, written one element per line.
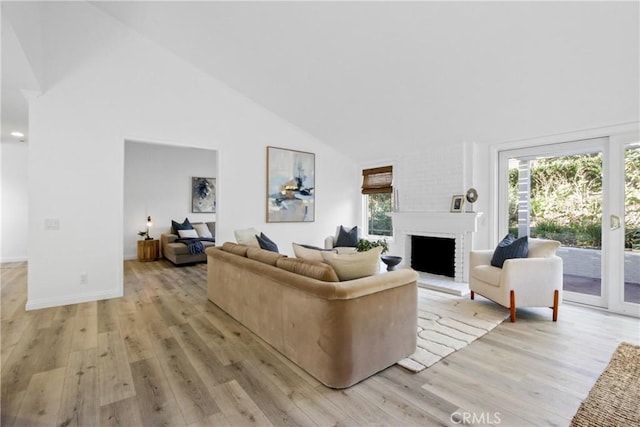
<point x="165" y="356"/>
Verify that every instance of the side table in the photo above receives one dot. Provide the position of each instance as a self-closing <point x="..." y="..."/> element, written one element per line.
<point x="148" y="250"/>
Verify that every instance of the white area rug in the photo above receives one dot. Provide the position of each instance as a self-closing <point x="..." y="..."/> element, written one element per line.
<point x="448" y="324"/>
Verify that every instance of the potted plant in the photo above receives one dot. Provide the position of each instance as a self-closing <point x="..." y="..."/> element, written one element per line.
<point x="390" y="260"/>
<point x="144" y="234"/>
<point x="364" y="245"/>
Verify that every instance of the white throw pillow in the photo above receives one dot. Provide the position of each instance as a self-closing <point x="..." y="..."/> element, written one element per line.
<point x="354" y="265"/>
<point x="308" y="253"/>
<point x="187" y="234"/>
<point x="247" y="237"/>
<point x="202" y="230"/>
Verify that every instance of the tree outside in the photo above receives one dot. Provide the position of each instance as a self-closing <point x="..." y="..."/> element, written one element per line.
<point x="566" y="199"/>
<point x="379" y="205"/>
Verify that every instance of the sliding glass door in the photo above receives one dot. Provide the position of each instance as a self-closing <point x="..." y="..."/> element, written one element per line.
<point x="585" y="194"/>
<point x="556" y="192"/>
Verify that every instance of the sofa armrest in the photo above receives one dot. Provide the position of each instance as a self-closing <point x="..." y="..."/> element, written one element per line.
<point x="481" y="257"/>
<point x="533" y="279"/>
<point x="329" y="242"/>
<point x="165" y="239"/>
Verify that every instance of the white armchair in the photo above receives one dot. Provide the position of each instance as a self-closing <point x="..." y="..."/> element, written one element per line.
<point x="330" y="242"/>
<point x="535" y="281"/>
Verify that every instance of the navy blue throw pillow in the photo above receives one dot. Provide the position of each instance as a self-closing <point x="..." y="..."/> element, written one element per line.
<point x="347" y="239"/>
<point x="508" y="248"/>
<point x="267" y="243"/>
<point x="186" y="225"/>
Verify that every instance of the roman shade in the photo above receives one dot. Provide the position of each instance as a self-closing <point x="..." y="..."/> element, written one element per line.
<point x="377" y="180"/>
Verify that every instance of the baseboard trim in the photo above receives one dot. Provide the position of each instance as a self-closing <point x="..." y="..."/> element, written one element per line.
<point x="75" y="299"/>
<point x="18" y="259"/>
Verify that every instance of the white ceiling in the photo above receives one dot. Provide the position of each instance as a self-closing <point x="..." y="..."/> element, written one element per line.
<point x="384" y="76"/>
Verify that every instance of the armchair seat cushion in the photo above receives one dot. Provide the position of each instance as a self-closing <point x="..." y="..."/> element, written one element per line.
<point x="488" y="274"/>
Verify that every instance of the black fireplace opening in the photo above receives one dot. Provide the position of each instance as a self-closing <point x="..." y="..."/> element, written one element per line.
<point x="435" y="255"/>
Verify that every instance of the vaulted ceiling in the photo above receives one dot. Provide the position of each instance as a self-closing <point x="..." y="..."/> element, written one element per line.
<point x="365" y="77"/>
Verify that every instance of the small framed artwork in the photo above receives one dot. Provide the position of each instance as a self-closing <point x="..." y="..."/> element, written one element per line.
<point x="291" y="179"/>
<point x="203" y="195"/>
<point x="457" y="203"/>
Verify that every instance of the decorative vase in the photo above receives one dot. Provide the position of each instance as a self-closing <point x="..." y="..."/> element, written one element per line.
<point x="391" y="261"/>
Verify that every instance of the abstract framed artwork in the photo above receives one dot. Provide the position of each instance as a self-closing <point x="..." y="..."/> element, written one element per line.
<point x="290" y="185"/>
<point x="203" y="195"/>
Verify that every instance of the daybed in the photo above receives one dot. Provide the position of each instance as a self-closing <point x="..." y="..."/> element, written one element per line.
<point x="178" y="252"/>
<point x="339" y="332"/>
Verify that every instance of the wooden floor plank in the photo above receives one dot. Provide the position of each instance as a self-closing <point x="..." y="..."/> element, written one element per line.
<point x="123" y="413"/>
<point x="188" y="388"/>
<point x="115" y="379"/>
<point x="158" y="406"/>
<point x="41" y="402"/>
<point x="80" y="404"/>
<point x="136" y="338"/>
<point x="237" y="406"/>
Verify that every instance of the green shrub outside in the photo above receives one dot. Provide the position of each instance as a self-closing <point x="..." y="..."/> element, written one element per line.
<point x="566" y="199"/>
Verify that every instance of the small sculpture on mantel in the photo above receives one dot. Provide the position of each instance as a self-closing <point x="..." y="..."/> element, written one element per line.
<point x="472" y="196"/>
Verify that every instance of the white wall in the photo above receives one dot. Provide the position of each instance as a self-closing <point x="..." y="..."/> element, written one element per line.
<point x="15" y="220"/>
<point x="137" y="91"/>
<point x="157" y="183"/>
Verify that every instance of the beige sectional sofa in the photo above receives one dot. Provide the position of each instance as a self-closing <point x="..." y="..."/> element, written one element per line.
<point x="339" y="332"/>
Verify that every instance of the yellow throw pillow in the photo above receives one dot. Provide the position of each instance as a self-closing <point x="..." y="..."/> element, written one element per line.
<point x="354" y="265"/>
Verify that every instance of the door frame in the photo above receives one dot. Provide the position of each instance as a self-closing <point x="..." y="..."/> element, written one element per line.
<point x="590" y="146"/>
<point x="618" y="145"/>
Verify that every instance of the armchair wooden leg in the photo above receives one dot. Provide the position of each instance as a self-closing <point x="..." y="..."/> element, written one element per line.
<point x="473" y="295"/>
<point x="556" y="298"/>
<point x="513" y="306"/>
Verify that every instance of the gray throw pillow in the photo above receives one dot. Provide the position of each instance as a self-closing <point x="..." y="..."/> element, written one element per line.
<point x="347" y="238"/>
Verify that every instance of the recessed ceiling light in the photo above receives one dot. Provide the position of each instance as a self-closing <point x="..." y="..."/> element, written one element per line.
<point x="17" y="134"/>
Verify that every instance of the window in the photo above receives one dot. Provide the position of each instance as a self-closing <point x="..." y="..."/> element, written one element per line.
<point x="377" y="190"/>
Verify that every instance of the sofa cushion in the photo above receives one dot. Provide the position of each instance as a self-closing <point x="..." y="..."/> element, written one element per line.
<point x="542" y="248"/>
<point x="266" y="243"/>
<point x="182" y="249"/>
<point x="354" y="265"/>
<point x="203" y="230"/>
<point x="509" y="248"/>
<point x="488" y="274"/>
<point x="308" y="252"/>
<point x="263" y="255"/>
<point x="235" y="248"/>
<point x="347" y="238"/>
<point x="247" y="237"/>
<point x="312" y="269"/>
<point x="185" y="225"/>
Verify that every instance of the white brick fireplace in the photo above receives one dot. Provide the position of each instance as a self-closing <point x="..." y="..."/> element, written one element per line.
<point x="458" y="226"/>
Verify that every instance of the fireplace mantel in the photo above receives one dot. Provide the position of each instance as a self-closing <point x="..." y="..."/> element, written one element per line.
<point x="442" y="222"/>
